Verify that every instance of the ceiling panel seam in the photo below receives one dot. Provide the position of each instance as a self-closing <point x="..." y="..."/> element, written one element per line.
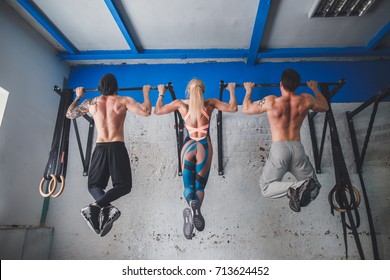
<point x="121" y="25"/>
<point x="47" y="25"/>
<point x="258" y="29"/>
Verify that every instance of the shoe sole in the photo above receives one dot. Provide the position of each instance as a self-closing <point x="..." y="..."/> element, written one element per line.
<point x="199" y="221"/>
<point x="293" y="207"/>
<point x="188" y="227"/>
<point x="108" y="226"/>
<point x="89" y="223"/>
<point x="306" y="195"/>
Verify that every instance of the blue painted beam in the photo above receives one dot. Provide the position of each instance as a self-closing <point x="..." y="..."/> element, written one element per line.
<point x="321" y="52"/>
<point x="120" y="23"/>
<point x="42" y="19"/>
<point x="258" y="30"/>
<point x="158" y="54"/>
<point x="372" y="45"/>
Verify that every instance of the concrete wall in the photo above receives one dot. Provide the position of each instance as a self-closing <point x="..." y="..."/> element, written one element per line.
<point x="28" y="71"/>
<point x="240" y="223"/>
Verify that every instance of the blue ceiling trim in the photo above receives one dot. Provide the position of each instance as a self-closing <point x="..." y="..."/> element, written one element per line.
<point x="373" y="44"/>
<point x="157" y="54"/>
<point x="321" y="52"/>
<point x="258" y="30"/>
<point x="120" y="23"/>
<point x="42" y="19"/>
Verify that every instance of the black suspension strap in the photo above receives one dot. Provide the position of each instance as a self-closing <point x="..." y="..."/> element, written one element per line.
<point x="344" y="197"/>
<point x="359" y="157"/>
<point x="55" y="171"/>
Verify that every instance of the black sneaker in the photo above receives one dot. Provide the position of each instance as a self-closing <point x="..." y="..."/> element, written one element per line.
<point x="188" y="227"/>
<point x="197" y="216"/>
<point x="295" y="203"/>
<point x="108" y="216"/>
<point x="305" y="192"/>
<point x="91" y="214"/>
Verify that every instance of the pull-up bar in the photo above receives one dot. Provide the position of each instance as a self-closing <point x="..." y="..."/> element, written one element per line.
<point x="125" y="89"/>
<point x="277" y="84"/>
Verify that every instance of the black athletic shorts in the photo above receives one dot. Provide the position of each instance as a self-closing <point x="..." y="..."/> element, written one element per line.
<point x="110" y="159"/>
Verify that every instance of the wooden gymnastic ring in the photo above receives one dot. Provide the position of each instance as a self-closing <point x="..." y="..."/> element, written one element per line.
<point x="61" y="189"/>
<point x="50" y="189"/>
<point x="339" y="209"/>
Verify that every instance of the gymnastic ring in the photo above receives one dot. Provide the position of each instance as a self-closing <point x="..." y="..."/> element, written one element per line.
<point x="339" y="209"/>
<point x="50" y="188"/>
<point x="61" y="189"/>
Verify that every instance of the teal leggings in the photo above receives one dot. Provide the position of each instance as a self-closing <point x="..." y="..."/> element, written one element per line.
<point x="196" y="159"/>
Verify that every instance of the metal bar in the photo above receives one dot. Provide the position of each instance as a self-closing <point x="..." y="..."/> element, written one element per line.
<point x="258" y="30"/>
<point x="370" y="125"/>
<point x="323" y="139"/>
<point x="322" y="52"/>
<point x="121" y="24"/>
<point x="179" y="129"/>
<point x="120" y="89"/>
<point x="219" y="133"/>
<point x="76" y="130"/>
<point x="88" y="151"/>
<point x="278" y="84"/>
<point x="376" y="98"/>
<point x="314" y="142"/>
<point x="47" y="25"/>
<point x="375" y="41"/>
<point x="158" y="54"/>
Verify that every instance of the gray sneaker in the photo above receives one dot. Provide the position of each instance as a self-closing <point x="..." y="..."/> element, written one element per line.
<point x="91" y="215"/>
<point x="188" y="227"/>
<point x="108" y="216"/>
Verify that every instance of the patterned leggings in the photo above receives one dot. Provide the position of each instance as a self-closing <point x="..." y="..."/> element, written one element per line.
<point x="196" y="159"/>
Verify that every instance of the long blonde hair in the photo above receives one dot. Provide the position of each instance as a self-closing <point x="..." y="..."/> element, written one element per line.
<point x="195" y="91"/>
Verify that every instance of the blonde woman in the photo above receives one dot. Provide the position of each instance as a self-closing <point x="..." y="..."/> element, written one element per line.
<point x="197" y="151"/>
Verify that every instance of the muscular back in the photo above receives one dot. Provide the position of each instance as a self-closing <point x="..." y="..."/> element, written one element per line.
<point x="286" y="115"/>
<point x="109" y="113"/>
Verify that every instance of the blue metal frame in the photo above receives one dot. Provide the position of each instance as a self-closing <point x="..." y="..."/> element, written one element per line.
<point x="157" y="54"/>
<point x="321" y="52"/>
<point x="120" y="23"/>
<point x="252" y="54"/>
<point x="372" y="45"/>
<point x="258" y="30"/>
<point x="39" y="17"/>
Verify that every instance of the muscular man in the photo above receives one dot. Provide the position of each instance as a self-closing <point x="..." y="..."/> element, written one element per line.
<point x="286" y="114"/>
<point x="110" y="157"/>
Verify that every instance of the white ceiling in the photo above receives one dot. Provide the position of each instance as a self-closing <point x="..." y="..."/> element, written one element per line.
<point x="153" y="31"/>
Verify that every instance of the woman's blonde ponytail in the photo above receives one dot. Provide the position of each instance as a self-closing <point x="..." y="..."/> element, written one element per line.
<point x="195" y="90"/>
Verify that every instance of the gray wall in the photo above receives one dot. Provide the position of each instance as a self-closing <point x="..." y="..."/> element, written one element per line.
<point x="29" y="69"/>
<point x="240" y="223"/>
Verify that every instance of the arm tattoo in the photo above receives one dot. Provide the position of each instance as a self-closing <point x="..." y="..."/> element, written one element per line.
<point x="75" y="111"/>
<point x="261" y="102"/>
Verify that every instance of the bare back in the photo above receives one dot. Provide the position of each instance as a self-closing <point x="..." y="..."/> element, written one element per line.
<point x="286" y="116"/>
<point x="109" y="113"/>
